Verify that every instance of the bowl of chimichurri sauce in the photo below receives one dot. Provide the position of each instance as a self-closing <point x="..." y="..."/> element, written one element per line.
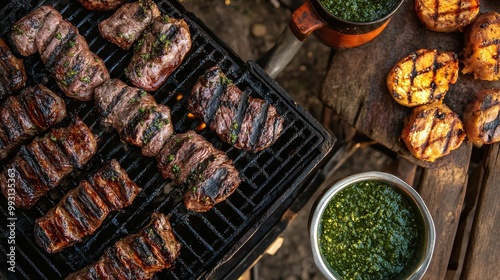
<point x="371" y="226"/>
<point x="359" y="10"/>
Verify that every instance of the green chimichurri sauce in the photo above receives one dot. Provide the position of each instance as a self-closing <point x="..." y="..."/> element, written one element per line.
<point x="368" y="231"/>
<point x="358" y="10"/>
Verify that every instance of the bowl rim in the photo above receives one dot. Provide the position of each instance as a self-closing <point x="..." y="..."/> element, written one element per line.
<point x="400" y="185"/>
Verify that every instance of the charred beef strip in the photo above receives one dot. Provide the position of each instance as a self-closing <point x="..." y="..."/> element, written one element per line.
<point x="128" y="22"/>
<point x="101" y="5"/>
<point x="41" y="165"/>
<point x="206" y="173"/>
<point x="137" y="256"/>
<point x="83" y="209"/>
<point x="245" y="122"/>
<point x="63" y="50"/>
<point x="136" y="116"/>
<point x="23" y="116"/>
<point x="158" y="53"/>
<point x="12" y="74"/>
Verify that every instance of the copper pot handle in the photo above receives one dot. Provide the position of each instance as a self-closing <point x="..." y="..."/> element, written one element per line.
<point x="305" y="20"/>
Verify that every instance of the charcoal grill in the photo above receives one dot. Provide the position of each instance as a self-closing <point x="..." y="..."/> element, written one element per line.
<point x="215" y="242"/>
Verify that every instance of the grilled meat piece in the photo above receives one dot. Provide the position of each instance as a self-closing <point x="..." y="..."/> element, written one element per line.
<point x="482" y="117"/>
<point x="206" y="173"/>
<point x="446" y="16"/>
<point x="432" y="131"/>
<point x="41" y="165"/>
<point x="423" y="77"/>
<point x="245" y="122"/>
<point x="128" y="22"/>
<point x="83" y="209"/>
<point x="101" y="5"/>
<point x="12" y="74"/>
<point x="158" y="53"/>
<point x="23" y="116"/>
<point x="482" y="48"/>
<point x="135" y="115"/>
<point x="137" y="256"/>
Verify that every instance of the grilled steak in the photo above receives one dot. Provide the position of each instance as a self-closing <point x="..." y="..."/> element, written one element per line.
<point x="482" y="48"/>
<point x="423" y="77"/>
<point x="23" y="116"/>
<point x="101" y="5"/>
<point x="206" y="173"/>
<point x="41" y="165"/>
<point x="136" y="116"/>
<point x="432" y="131"/>
<point x="158" y="53"/>
<point x="482" y="117"/>
<point x="446" y="16"/>
<point x="128" y="22"/>
<point x="137" y="256"/>
<point x="83" y="209"/>
<point x="245" y="122"/>
<point x="12" y="74"/>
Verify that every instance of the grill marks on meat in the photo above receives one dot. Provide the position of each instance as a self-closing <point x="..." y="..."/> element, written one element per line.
<point x="83" y="209"/>
<point x="63" y="50"/>
<point x="245" y="122"/>
<point x="482" y="117"/>
<point x="158" y="53"/>
<point x="41" y="165"/>
<point x="128" y="22"/>
<point x="23" y="116"/>
<point x="12" y="74"/>
<point x="432" y="131"/>
<point x="101" y="5"/>
<point x="135" y="115"/>
<point x="206" y="173"/>
<point x="447" y="16"/>
<point x="137" y="256"/>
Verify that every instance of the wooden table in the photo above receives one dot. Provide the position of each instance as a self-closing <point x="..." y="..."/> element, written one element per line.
<point x="355" y="89"/>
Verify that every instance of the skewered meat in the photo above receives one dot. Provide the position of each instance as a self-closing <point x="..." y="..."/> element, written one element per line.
<point x="446" y="16"/>
<point x="128" y="22"/>
<point x="158" y="53"/>
<point x="482" y="48"/>
<point x="101" y="5"/>
<point x="83" y="209"/>
<point x="482" y="117"/>
<point x="432" y="131"/>
<point x="137" y="256"/>
<point x="23" y="116"/>
<point x="136" y="116"/>
<point x="206" y="173"/>
<point x="41" y="165"/>
<point x="63" y="50"/>
<point x="245" y="122"/>
<point x="423" y="77"/>
<point x="12" y="74"/>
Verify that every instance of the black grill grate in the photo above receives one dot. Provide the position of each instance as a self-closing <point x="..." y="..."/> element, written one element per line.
<point x="208" y="239"/>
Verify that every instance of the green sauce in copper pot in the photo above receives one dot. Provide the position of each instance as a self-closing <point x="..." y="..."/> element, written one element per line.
<point x="368" y="231"/>
<point x="358" y="10"/>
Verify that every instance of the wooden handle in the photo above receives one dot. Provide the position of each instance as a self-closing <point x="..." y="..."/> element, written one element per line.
<point x="305" y="20"/>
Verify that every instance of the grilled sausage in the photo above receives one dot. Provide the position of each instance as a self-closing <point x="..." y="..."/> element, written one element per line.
<point x="245" y="122"/>
<point x="23" y="116"/>
<point x="446" y="16"/>
<point x="41" y="165"/>
<point x="12" y="74"/>
<point x="101" y="5"/>
<point x="158" y="53"/>
<point x="423" y="77"/>
<point x="137" y="256"/>
<point x="482" y="48"/>
<point x="206" y="173"/>
<point x="432" y="131"/>
<point x="128" y="22"/>
<point x="482" y="117"/>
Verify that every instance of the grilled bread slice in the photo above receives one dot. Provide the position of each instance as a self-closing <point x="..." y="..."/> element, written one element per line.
<point x="432" y="131"/>
<point x="482" y="48"/>
<point x="447" y="15"/>
<point x="482" y="117"/>
<point x="422" y="77"/>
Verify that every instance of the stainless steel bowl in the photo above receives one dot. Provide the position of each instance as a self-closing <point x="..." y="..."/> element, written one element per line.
<point x="426" y="236"/>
